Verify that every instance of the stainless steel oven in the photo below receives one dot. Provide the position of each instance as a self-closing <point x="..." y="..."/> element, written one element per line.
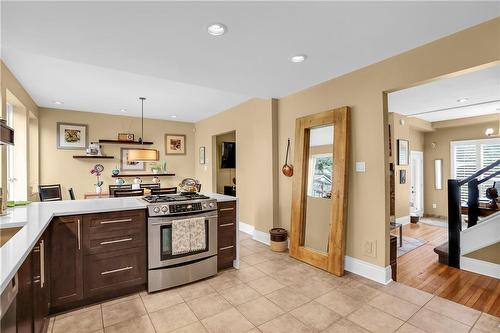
<point x="160" y="240"/>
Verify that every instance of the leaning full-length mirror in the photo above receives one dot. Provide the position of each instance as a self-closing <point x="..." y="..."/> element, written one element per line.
<point x="319" y="188"/>
<point x="319" y="199"/>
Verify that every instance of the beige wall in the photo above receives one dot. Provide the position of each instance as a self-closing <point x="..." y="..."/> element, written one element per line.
<point x="447" y="131"/>
<point x="58" y="166"/>
<point x="224" y="176"/>
<point x="362" y="90"/>
<point x="253" y="123"/>
<point x="490" y="253"/>
<point x="404" y="128"/>
<point x="11" y="91"/>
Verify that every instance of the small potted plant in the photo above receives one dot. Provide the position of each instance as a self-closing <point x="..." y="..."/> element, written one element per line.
<point x="155" y="167"/>
<point x="97" y="171"/>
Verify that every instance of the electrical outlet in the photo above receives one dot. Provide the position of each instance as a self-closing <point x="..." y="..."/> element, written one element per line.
<point x="370" y="248"/>
<point x="434" y="205"/>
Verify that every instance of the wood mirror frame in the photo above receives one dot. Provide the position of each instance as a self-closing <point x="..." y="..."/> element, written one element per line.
<point x="333" y="261"/>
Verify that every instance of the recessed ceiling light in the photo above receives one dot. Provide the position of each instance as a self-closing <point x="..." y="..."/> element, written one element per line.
<point x="217" y="29"/>
<point x="123" y="110"/>
<point x="173" y="116"/>
<point x="58" y="103"/>
<point x="461" y="100"/>
<point x="298" y="58"/>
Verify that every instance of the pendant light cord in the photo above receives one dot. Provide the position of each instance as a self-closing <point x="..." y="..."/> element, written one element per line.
<point x="142" y="119"/>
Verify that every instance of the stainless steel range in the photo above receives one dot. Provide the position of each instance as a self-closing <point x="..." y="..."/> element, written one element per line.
<point x="177" y="254"/>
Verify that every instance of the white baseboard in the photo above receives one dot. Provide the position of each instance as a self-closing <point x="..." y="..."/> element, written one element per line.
<point x="353" y="265"/>
<point x="403" y="219"/>
<point x="246" y="228"/>
<point x="257" y="235"/>
<point x="368" y="270"/>
<point x="480" y="267"/>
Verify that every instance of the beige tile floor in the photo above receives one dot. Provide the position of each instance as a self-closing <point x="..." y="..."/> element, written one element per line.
<point x="274" y="293"/>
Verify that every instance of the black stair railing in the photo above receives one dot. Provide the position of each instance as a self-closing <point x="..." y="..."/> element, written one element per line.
<point x="454" y="209"/>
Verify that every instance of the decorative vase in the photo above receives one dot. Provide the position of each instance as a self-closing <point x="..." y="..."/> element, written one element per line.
<point x="119" y="181"/>
<point x="155" y="171"/>
<point x="98" y="189"/>
<point x="156" y="180"/>
<point x="115" y="171"/>
<point x="137" y="180"/>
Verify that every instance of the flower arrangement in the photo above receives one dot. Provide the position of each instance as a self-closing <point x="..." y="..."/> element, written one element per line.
<point x="97" y="171"/>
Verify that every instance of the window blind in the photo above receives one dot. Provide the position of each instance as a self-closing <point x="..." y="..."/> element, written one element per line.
<point x="471" y="156"/>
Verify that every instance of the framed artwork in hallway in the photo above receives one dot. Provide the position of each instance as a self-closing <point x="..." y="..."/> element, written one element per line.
<point x="403" y="152"/>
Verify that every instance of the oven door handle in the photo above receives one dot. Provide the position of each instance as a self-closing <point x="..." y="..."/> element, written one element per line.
<point x="207" y="219"/>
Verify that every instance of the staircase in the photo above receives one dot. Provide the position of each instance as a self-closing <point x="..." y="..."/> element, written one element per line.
<point x="478" y="233"/>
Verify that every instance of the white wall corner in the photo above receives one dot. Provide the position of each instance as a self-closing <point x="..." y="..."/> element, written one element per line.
<point x="370" y="271"/>
<point x="480" y="267"/>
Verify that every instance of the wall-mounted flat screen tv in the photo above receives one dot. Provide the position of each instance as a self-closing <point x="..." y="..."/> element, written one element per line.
<point x="228" y="159"/>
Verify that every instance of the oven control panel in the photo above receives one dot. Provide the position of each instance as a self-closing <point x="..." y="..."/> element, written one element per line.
<point x="181" y="207"/>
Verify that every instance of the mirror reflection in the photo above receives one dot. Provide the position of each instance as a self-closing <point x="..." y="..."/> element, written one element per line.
<point x="319" y="188"/>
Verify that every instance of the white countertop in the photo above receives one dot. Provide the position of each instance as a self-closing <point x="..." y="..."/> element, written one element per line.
<point x="35" y="218"/>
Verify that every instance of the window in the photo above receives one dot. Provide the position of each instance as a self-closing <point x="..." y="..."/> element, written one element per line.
<point x="320" y="176"/>
<point x="10" y="157"/>
<point x="471" y="156"/>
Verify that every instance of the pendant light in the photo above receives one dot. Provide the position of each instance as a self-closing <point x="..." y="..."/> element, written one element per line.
<point x="143" y="154"/>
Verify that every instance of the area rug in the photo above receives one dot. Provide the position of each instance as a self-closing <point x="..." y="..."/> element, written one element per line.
<point x="409" y="244"/>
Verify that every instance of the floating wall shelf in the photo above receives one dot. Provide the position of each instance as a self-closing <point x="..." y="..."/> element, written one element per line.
<point x="124" y="142"/>
<point x="93" y="157"/>
<point x="143" y="175"/>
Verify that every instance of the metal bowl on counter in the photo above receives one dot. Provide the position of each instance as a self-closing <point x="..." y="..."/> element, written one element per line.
<point x="189" y="185"/>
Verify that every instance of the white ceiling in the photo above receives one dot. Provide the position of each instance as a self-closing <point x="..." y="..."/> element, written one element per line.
<point x="438" y="100"/>
<point x="101" y="56"/>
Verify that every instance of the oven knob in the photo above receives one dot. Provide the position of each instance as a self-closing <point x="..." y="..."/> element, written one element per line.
<point x="211" y="205"/>
<point x="164" y="209"/>
<point x="204" y="205"/>
<point x="156" y="209"/>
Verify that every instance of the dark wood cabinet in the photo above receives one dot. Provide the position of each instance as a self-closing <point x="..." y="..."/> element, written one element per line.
<point x="24" y="299"/>
<point x="394" y="257"/>
<point x="66" y="260"/>
<point x="41" y="284"/>
<point x="226" y="234"/>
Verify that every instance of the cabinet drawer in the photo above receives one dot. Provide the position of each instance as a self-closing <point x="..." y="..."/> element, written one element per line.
<point x="226" y="235"/>
<point x="114" y="270"/>
<point x="104" y="222"/>
<point x="115" y="240"/>
<point x="225" y="257"/>
<point x="227" y="210"/>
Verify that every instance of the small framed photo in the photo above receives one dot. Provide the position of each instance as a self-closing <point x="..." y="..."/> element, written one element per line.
<point x="202" y="155"/>
<point x="126" y="165"/>
<point x="402" y="176"/>
<point x="175" y="144"/>
<point x="72" y="136"/>
<point x="125" y="137"/>
<point x="403" y="152"/>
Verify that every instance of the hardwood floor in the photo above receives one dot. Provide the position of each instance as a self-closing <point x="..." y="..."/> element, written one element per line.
<point x="420" y="269"/>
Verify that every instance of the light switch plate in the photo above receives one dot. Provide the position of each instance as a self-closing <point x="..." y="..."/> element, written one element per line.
<point x="360" y="167"/>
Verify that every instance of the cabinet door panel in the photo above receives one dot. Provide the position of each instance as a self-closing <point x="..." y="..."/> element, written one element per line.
<point x="41" y="283"/>
<point x="24" y="299"/>
<point x="66" y="260"/>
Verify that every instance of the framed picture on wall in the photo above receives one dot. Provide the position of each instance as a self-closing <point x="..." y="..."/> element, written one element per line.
<point x="71" y="136"/>
<point x="403" y="152"/>
<point x="202" y="155"/>
<point x="126" y="165"/>
<point x="175" y="144"/>
<point x="402" y="176"/>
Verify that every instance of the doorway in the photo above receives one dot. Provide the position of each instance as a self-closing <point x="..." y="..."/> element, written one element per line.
<point x="416" y="183"/>
<point x="225" y="163"/>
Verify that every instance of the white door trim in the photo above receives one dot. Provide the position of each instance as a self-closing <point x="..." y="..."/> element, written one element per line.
<point x="420" y="189"/>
